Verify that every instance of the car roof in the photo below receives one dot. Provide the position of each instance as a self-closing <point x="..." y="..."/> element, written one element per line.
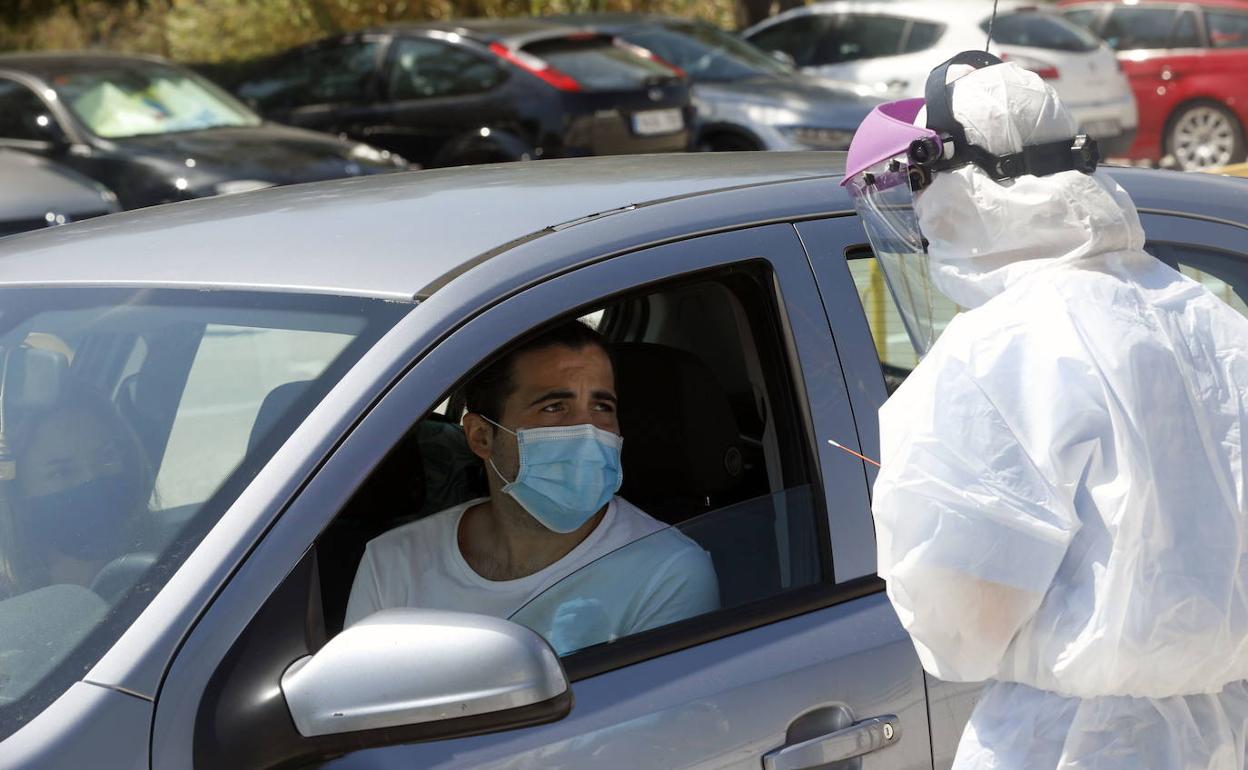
<point x="387" y="236"/>
<point x="43" y="64"/>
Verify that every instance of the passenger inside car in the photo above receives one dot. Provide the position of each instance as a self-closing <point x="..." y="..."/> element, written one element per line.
<point x="78" y="496"/>
<point x="543" y="419"/>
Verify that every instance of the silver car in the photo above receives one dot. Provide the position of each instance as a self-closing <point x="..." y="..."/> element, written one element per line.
<point x="746" y="99"/>
<point x="269" y="380"/>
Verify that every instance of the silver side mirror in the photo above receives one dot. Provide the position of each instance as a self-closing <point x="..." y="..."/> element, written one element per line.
<point x="411" y="666"/>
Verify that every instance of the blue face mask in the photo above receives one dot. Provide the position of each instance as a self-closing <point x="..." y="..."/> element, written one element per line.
<point x="567" y="473"/>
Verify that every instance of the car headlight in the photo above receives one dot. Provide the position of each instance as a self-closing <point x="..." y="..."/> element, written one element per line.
<point x="819" y="138"/>
<point x="239" y="185"/>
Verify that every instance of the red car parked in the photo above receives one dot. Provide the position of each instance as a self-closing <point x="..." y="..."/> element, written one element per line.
<point x="1188" y="66"/>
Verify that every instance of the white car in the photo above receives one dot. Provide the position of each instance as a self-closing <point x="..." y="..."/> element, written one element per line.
<point x="891" y="47"/>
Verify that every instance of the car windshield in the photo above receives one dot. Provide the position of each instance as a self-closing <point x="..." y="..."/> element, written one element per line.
<point x="129" y="100"/>
<point x="706" y="53"/>
<point x="130" y="421"/>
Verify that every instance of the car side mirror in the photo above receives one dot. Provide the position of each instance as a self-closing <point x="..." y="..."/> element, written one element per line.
<point x="403" y="667"/>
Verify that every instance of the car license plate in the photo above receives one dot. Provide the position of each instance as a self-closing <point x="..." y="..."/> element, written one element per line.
<point x="652" y="122"/>
<point x="1101" y="128"/>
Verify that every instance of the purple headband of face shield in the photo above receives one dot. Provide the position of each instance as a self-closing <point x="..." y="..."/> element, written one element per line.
<point x="887" y="132"/>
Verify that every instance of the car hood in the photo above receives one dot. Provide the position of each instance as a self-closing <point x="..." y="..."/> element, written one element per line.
<point x="35" y="187"/>
<point x="790" y="101"/>
<point x="267" y="152"/>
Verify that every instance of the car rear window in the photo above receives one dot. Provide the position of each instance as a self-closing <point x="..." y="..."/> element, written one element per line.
<point x="598" y="64"/>
<point x="1038" y="30"/>
<point x="1227" y="29"/>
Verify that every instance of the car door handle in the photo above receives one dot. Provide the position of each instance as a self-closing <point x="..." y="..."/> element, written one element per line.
<point x="854" y="741"/>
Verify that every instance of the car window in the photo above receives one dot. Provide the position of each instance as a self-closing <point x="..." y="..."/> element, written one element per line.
<point x="888" y="332"/>
<point x="421" y="69"/>
<point x="142" y="99"/>
<point x="704" y="52"/>
<point x="131" y="420"/>
<point x="798" y="37"/>
<point x="322" y="74"/>
<point x="19" y="109"/>
<point x="1227" y="29"/>
<point x="1084" y="17"/>
<point x="1187" y="32"/>
<point x="1137" y="27"/>
<point x="922" y="35"/>
<point x="718" y="507"/>
<point x="853" y="36"/>
<point x="1223" y="273"/>
<point x="598" y="64"/>
<point x="1039" y="30"/>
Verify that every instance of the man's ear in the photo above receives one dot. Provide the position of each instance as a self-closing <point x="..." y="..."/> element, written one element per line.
<point x="479" y="434"/>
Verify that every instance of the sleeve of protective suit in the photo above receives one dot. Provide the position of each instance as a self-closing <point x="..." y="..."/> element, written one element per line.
<point x="969" y="530"/>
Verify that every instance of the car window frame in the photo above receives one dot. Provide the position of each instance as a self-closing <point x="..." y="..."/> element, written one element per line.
<point x="1177" y="9"/>
<point x="291" y="59"/>
<point x="434" y="371"/>
<point x="1202" y="19"/>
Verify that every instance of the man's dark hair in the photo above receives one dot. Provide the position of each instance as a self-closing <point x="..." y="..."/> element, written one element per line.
<point x="486" y="392"/>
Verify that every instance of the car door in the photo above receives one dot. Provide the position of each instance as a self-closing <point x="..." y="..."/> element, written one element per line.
<point x="436" y="92"/>
<point x="808" y="657"/>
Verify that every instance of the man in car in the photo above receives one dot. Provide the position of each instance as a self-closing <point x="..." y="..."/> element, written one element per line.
<point x="543" y="420"/>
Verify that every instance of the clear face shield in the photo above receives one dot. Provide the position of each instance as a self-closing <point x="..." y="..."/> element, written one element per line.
<point x="883" y="196"/>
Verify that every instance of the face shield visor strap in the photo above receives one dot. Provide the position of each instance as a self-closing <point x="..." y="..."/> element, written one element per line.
<point x="885" y="202"/>
<point x="1079" y="153"/>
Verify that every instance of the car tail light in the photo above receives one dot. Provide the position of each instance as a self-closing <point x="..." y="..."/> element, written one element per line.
<point x="535" y="66"/>
<point x="646" y="53"/>
<point x="1045" y="70"/>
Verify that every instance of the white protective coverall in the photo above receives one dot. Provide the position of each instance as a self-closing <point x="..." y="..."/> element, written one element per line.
<point x="1061" y="506"/>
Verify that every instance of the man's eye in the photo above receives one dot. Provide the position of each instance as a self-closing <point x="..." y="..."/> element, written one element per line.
<point x="555" y="407"/>
<point x="604" y="406"/>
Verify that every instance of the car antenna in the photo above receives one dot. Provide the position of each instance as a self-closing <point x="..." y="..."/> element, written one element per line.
<point x="991" y="19"/>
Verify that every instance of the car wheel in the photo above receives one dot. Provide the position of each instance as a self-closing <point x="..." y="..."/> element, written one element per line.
<point x="1204" y="135"/>
<point x="726" y="143"/>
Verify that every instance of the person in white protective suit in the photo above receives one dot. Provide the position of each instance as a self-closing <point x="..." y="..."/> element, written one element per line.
<point x="1061" y="506"/>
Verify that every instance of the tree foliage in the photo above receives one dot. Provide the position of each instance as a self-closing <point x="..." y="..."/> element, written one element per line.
<point x="213" y="31"/>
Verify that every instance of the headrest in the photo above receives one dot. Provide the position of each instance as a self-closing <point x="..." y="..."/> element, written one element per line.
<point x="275" y="404"/>
<point x="680" y="432"/>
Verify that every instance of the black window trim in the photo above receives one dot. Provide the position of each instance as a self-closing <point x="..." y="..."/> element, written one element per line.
<point x="36" y="145"/>
<point x="385" y="86"/>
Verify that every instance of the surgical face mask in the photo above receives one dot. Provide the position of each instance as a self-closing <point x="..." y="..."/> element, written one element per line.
<point x="87" y="521"/>
<point x="566" y="473"/>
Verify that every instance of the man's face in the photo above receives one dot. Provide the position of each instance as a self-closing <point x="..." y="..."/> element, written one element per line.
<point x="553" y="386"/>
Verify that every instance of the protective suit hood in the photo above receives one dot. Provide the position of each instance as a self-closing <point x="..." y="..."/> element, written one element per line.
<point x="983" y="235"/>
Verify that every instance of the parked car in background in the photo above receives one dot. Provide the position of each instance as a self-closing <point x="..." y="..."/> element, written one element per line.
<point x="745" y="98"/>
<point x="288" y="362"/>
<point x="37" y="193"/>
<point x="1188" y="65"/>
<point x="897" y="44"/>
<point x="454" y="93"/>
<point x="153" y="132"/>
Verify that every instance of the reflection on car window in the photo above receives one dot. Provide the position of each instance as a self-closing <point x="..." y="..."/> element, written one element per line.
<point x="853" y="36"/>
<point x="798" y="37"/>
<point x="1039" y="30"/>
<point x="123" y="416"/>
<point x="149" y="99"/>
<point x="321" y="74"/>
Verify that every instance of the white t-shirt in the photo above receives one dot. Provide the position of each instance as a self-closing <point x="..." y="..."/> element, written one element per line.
<point x="664" y="578"/>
